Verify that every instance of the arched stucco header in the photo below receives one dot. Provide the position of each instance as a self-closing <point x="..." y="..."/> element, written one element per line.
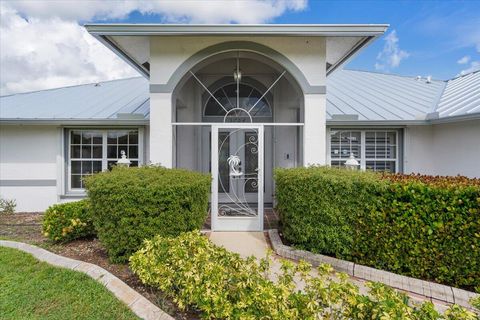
<point x="230" y="46"/>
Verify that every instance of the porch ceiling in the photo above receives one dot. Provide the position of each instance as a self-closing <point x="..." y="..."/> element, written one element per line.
<point x="131" y="41"/>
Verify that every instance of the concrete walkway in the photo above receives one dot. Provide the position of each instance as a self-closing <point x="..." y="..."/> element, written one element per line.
<point x="244" y="243"/>
<point x="256" y="244"/>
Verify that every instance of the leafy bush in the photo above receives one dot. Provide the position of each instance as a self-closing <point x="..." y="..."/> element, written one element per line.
<point x="7" y="206"/>
<point x="68" y="221"/>
<point x="220" y="284"/>
<point x="133" y="204"/>
<point x="420" y="226"/>
<point x="317" y="206"/>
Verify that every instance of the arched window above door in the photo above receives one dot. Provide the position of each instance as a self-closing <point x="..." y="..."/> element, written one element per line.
<point x="249" y="101"/>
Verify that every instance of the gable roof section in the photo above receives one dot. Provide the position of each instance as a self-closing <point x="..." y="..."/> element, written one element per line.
<point x="131" y="41"/>
<point x="461" y="96"/>
<point x="353" y="97"/>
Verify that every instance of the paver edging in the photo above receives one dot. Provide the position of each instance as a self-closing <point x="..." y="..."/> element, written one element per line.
<point x="428" y="289"/>
<point x="139" y="305"/>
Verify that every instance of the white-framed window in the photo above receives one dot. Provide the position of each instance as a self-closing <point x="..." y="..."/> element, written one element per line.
<point x="94" y="150"/>
<point x="375" y="149"/>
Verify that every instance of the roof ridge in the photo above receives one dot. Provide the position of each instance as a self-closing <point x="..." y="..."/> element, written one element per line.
<point x="438" y="98"/>
<point x="391" y="74"/>
<point x="463" y="75"/>
<point x="72" y="86"/>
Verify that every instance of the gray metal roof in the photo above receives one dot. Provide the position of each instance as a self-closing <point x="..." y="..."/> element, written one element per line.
<point x="109" y="100"/>
<point x="377" y="96"/>
<point x="352" y="97"/>
<point x="461" y="96"/>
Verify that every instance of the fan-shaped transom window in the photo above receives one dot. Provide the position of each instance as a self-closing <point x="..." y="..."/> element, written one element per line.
<point x="248" y="98"/>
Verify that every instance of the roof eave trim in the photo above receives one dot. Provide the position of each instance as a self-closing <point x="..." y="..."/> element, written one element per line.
<point x="354" y="50"/>
<point x="451" y="119"/>
<point x="459" y="118"/>
<point x="265" y="29"/>
<point x="376" y="122"/>
<point x="75" y="122"/>
<point x="123" y="55"/>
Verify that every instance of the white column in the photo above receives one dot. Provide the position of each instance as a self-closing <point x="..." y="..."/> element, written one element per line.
<point x="314" y="131"/>
<point x="161" y="133"/>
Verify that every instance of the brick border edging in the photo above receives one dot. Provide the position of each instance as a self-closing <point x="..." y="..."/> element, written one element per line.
<point x="428" y="289"/>
<point x="134" y="300"/>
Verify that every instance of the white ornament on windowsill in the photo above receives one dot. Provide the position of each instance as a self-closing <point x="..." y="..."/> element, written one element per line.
<point x="352" y="163"/>
<point x="123" y="161"/>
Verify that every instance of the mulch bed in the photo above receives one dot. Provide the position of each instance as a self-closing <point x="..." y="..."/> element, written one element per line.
<point x="26" y="227"/>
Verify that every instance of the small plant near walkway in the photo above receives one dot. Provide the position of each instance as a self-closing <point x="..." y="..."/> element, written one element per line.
<point x="30" y="289"/>
<point x="7" y="206"/>
<point x="222" y="285"/>
<point x="134" y="204"/>
<point x="420" y="226"/>
<point x="68" y="221"/>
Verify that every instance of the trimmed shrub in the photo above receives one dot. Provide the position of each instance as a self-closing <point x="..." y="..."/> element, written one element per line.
<point x="222" y="285"/>
<point x="317" y="205"/>
<point x="133" y="204"/>
<point x="68" y="221"/>
<point x="420" y="226"/>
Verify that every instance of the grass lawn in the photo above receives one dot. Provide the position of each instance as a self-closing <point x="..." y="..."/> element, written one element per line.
<point x="30" y="289"/>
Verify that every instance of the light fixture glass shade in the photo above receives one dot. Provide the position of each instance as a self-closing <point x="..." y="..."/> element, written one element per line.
<point x="237" y="75"/>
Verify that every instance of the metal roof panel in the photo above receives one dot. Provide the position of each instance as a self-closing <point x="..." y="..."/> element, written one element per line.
<point x="461" y="96"/>
<point x="372" y="96"/>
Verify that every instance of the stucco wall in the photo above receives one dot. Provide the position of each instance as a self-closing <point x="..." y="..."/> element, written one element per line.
<point x="28" y="160"/>
<point x="418" y="150"/>
<point x="456" y="148"/>
<point x="168" y="53"/>
<point x="444" y="149"/>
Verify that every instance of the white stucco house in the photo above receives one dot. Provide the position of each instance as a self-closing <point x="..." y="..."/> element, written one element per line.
<point x="236" y="101"/>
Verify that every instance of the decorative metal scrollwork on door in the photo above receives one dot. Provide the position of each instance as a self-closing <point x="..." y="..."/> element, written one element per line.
<point x="243" y="159"/>
<point x="243" y="176"/>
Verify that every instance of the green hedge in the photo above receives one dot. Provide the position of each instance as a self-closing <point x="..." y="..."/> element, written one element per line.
<point x="418" y="226"/>
<point x="221" y="285"/>
<point x="68" y="221"/>
<point x="133" y="204"/>
<point x="317" y="204"/>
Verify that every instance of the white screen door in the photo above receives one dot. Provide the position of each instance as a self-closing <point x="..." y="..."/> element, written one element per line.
<point x="238" y="179"/>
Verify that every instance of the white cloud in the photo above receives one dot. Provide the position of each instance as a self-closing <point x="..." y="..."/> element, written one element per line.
<point x="43" y="45"/>
<point x="391" y="55"/>
<point x="464" y="60"/>
<point x="37" y="54"/>
<point x="193" y="11"/>
<point x="474" y="66"/>
<point x="243" y="11"/>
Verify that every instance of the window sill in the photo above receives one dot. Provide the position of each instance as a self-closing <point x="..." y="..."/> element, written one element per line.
<point x="79" y="195"/>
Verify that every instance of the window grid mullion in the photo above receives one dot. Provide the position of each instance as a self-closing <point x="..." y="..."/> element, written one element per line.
<point x="104" y="150"/>
<point x="363" y="156"/>
<point x="396" y="152"/>
<point x="92" y="159"/>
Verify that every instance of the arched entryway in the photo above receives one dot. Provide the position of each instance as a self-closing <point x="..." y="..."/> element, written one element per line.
<point x="238" y="115"/>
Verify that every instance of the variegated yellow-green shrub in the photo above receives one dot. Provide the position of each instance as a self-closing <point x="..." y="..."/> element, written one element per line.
<point x="221" y="285"/>
<point x="68" y="221"/>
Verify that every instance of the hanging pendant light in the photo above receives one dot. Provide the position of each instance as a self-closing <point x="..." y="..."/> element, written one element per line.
<point x="237" y="75"/>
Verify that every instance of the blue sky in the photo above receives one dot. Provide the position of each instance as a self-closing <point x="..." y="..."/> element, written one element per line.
<point x="44" y="44"/>
<point x="434" y="34"/>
